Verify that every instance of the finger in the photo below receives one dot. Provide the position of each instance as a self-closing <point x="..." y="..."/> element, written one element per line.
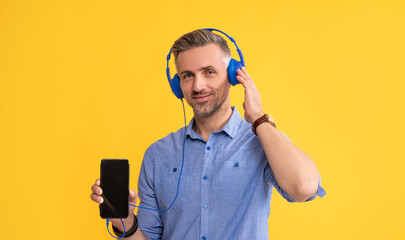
<point x="241" y="80"/>
<point x="132" y="195"/>
<point x="246" y="78"/>
<point x="241" y="73"/>
<point x="98" y="181"/>
<point x="245" y="72"/>
<point x="96" y="190"/>
<point x="96" y="198"/>
<point x="239" y="76"/>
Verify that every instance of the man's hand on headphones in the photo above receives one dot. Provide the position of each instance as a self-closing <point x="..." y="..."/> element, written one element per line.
<point x="253" y="103"/>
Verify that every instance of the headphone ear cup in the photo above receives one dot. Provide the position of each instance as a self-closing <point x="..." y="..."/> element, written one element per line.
<point x="232" y="67"/>
<point x="175" y="85"/>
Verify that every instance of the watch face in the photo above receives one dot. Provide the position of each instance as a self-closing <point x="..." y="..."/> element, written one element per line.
<point x="271" y="121"/>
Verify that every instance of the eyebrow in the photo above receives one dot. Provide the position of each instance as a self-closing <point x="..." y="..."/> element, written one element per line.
<point x="201" y="69"/>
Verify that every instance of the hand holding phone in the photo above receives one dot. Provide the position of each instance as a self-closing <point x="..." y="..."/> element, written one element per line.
<point x="114" y="182"/>
<point x="97" y="191"/>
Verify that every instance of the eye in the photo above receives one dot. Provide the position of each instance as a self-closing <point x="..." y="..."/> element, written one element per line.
<point x="210" y="72"/>
<point x="188" y="75"/>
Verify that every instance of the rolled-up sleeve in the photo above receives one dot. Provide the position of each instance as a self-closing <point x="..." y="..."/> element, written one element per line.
<point x="271" y="180"/>
<point x="149" y="221"/>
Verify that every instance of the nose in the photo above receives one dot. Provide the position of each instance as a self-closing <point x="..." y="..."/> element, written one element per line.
<point x="199" y="83"/>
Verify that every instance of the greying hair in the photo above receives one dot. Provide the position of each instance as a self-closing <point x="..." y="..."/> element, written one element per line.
<point x="200" y="38"/>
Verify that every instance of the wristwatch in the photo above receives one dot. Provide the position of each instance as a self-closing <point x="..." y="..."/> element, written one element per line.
<point x="262" y="119"/>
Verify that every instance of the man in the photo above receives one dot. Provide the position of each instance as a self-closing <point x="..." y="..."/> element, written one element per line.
<point x="229" y="172"/>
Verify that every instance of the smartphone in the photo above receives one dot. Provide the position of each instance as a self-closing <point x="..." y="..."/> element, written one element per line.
<point x="114" y="181"/>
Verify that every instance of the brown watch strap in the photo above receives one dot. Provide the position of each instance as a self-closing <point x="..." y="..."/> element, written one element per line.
<point x="260" y="120"/>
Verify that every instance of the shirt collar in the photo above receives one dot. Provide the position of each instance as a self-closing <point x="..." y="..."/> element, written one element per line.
<point x="231" y="127"/>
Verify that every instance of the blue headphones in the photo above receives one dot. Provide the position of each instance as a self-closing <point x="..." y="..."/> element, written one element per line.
<point x="233" y="66"/>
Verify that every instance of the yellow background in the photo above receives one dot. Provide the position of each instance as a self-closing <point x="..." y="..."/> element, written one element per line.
<point x="85" y="80"/>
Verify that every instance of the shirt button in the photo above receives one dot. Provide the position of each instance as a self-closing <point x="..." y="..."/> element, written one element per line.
<point x="203" y="238"/>
<point x="174" y="169"/>
<point x="205" y="205"/>
<point x="208" y="148"/>
<point x="236" y="165"/>
<point x="205" y="177"/>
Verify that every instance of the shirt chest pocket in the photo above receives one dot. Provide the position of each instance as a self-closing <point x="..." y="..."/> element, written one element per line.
<point x="166" y="188"/>
<point x="237" y="180"/>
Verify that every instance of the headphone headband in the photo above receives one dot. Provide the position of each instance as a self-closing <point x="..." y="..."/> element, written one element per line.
<point x="232" y="40"/>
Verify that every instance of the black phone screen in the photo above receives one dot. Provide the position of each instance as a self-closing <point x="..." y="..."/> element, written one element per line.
<point x="114" y="181"/>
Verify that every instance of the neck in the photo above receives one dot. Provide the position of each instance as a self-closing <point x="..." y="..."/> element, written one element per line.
<point x="204" y="126"/>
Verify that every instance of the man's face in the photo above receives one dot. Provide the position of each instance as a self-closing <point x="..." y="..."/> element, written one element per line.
<point x="203" y="78"/>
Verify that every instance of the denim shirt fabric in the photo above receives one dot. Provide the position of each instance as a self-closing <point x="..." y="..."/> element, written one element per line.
<point x="225" y="187"/>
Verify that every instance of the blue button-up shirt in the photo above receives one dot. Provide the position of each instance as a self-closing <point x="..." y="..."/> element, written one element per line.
<point x="225" y="188"/>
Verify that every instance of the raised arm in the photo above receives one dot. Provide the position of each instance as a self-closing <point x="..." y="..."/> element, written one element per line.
<point x="294" y="170"/>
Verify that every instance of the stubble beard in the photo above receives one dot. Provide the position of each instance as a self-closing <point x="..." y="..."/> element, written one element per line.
<point x="200" y="108"/>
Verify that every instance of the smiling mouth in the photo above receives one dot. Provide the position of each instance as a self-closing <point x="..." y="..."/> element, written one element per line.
<point x="201" y="98"/>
